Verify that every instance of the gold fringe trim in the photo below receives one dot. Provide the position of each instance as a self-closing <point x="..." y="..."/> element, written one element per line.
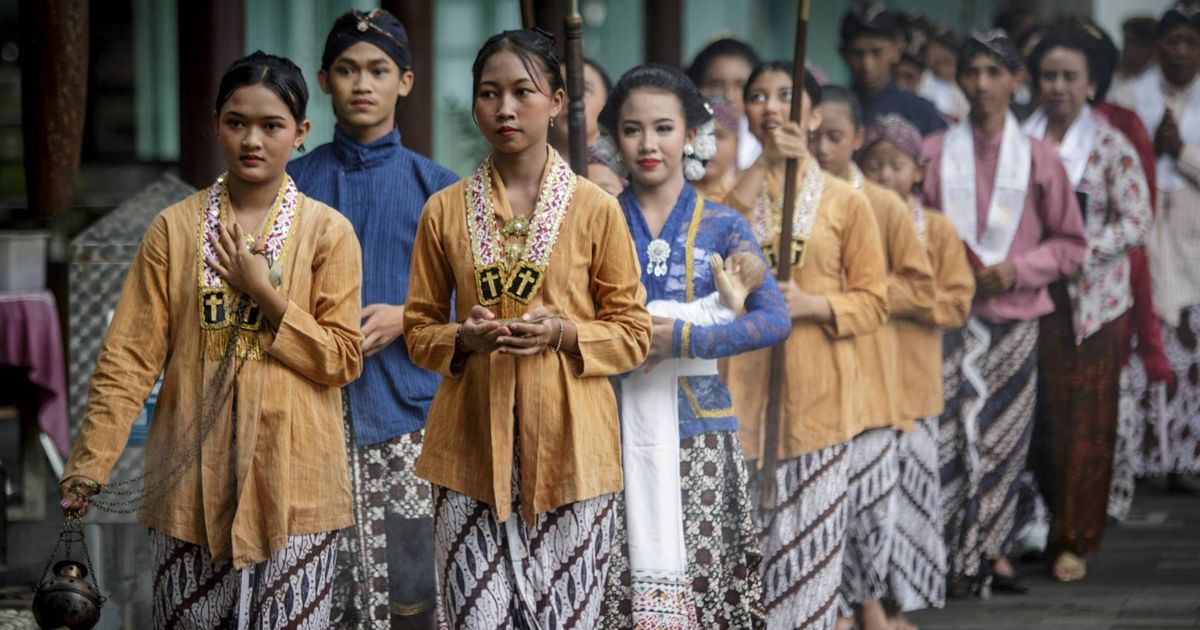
<point x="215" y="342"/>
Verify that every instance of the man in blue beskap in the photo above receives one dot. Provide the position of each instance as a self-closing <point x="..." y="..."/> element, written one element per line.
<point x="872" y="43"/>
<point x="381" y="187"/>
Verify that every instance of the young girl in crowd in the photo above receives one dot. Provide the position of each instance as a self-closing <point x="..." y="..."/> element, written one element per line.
<point x="248" y="277"/>
<point x="596" y="87"/>
<point x="873" y="468"/>
<point x="721" y="69"/>
<point x="917" y="573"/>
<point x="522" y="443"/>
<point x="837" y="292"/>
<point x="688" y="514"/>
<point x="720" y="172"/>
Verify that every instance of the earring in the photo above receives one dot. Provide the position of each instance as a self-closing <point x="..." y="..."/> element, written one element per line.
<point x="688" y="149"/>
<point x="551" y="122"/>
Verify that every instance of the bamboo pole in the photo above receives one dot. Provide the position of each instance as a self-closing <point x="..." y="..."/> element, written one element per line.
<point x="778" y="379"/>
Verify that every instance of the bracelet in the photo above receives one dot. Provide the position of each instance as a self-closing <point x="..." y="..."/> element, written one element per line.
<point x="458" y="341"/>
<point x="558" y="346"/>
<point x="78" y="487"/>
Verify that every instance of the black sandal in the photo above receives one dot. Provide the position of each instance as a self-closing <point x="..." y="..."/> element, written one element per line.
<point x="959" y="587"/>
<point x="1008" y="584"/>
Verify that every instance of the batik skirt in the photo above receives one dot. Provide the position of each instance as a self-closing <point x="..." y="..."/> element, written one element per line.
<point x="984" y="436"/>
<point x="1076" y="428"/>
<point x="291" y="590"/>
<point x="1129" y="439"/>
<point x="873" y="472"/>
<point x="805" y="539"/>
<point x="917" y="569"/>
<point x="1171" y="430"/>
<point x="509" y="574"/>
<point x="388" y="498"/>
<point x="723" y="548"/>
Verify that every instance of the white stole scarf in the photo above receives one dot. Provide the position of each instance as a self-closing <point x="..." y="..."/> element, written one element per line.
<point x="662" y="592"/>
<point x="1151" y="107"/>
<point x="1008" y="191"/>
<point x="1077" y="144"/>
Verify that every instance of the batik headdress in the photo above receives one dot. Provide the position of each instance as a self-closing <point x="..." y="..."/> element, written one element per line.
<point x="995" y="43"/>
<point x="378" y="28"/>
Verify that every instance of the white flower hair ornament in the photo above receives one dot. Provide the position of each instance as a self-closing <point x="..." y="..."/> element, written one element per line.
<point x="698" y="153"/>
<point x="606" y="148"/>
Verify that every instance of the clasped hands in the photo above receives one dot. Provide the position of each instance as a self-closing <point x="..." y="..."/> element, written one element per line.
<point x="537" y="330"/>
<point x="996" y="280"/>
<point x="1167" y="139"/>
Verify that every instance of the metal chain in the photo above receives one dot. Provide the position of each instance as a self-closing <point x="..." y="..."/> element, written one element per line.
<point x="87" y="556"/>
<point x="208" y="413"/>
<point x="54" y="552"/>
<point x="71" y="533"/>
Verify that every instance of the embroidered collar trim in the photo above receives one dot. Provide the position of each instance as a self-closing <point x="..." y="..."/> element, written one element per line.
<point x="494" y="276"/>
<point x="219" y="304"/>
<point x="856" y="178"/>
<point x="918" y="217"/>
<point x="767" y="217"/>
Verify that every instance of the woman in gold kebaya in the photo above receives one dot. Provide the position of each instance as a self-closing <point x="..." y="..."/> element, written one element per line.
<point x="522" y="443"/>
<point x="246" y="478"/>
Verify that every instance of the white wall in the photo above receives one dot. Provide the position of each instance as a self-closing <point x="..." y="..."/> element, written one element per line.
<point x="1110" y="13"/>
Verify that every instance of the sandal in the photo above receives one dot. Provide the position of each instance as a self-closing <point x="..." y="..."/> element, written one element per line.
<point x="1002" y="583"/>
<point x="1069" y="567"/>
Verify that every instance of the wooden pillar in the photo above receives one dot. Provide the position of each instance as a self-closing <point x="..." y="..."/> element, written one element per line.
<point x="664" y="31"/>
<point x="211" y="36"/>
<point x="414" y="114"/>
<point x="54" y="73"/>
<point x="551" y="15"/>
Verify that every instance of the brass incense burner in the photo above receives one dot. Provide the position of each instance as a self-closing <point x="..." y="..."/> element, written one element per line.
<point x="67" y="599"/>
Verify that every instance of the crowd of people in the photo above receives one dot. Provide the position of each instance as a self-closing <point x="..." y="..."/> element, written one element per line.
<point x="546" y="392"/>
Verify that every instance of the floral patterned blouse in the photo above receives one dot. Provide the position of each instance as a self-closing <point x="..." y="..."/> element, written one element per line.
<point x="1115" y="201"/>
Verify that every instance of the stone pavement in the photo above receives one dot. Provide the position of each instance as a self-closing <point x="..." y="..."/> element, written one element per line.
<point x="1146" y="576"/>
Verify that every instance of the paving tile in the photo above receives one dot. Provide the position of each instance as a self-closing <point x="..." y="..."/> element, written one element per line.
<point x="1146" y="577"/>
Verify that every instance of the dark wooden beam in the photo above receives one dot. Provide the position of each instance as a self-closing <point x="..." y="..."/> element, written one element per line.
<point x="576" y="123"/>
<point x="212" y="35"/>
<point x="664" y="31"/>
<point x="551" y="15"/>
<point x="414" y="114"/>
<point x="54" y="73"/>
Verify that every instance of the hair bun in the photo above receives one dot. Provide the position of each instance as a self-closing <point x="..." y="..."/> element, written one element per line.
<point x="547" y="34"/>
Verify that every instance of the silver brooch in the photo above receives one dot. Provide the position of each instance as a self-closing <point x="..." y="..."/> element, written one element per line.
<point x="658" y="251"/>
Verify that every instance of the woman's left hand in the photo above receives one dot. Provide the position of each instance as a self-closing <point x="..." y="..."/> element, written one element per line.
<point x="531" y="338"/>
<point x="237" y="262"/>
